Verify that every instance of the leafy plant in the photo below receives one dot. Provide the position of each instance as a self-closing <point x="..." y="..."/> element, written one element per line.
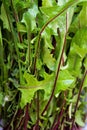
<point x="43" y="64"/>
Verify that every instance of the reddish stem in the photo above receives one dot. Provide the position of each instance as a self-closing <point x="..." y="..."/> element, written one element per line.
<point x="56" y="78"/>
<point x="61" y="113"/>
<point x="76" y="106"/>
<point x="26" y="117"/>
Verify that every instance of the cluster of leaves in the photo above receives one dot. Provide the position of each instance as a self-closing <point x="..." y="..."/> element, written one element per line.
<point x="43" y="64"/>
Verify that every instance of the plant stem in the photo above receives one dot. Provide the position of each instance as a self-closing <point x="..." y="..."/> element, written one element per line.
<point x="56" y="77"/>
<point x="58" y="68"/>
<point x="13" y="118"/>
<point x="76" y="106"/>
<point x="14" y="37"/>
<point x="1" y="58"/>
<point x="38" y="109"/>
<point x="26" y="117"/>
<point x="36" y="127"/>
<point x="19" y="35"/>
<point x="61" y="113"/>
<point x="17" y="20"/>
<point x="56" y="116"/>
<point x="65" y="7"/>
<point x="29" y="46"/>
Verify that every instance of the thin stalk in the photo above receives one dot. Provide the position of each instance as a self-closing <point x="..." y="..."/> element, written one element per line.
<point x="13" y="118"/>
<point x="18" y="115"/>
<point x="58" y="67"/>
<point x="56" y="77"/>
<point x="26" y="117"/>
<point x="1" y="58"/>
<point x="37" y="51"/>
<point x="65" y="7"/>
<point x="14" y="37"/>
<point x="56" y="116"/>
<point x="20" y="124"/>
<point x="76" y="106"/>
<point x="36" y="127"/>
<point x="38" y="109"/>
<point x="16" y="19"/>
<point x="61" y="113"/>
<point x="29" y="47"/>
<point x="19" y="35"/>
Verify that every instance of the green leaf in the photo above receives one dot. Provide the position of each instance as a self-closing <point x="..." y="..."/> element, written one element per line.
<point x="78" y="118"/>
<point x="53" y="10"/>
<point x="47" y="3"/>
<point x="65" y="81"/>
<point x="85" y="62"/>
<point x="81" y="1"/>
<point x="1" y="58"/>
<point x="69" y="15"/>
<point x="29" y="18"/>
<point x="39" y="64"/>
<point x="85" y="82"/>
<point x="83" y="16"/>
<point x="77" y="51"/>
<point x="1" y="98"/>
<point x="59" y="22"/>
<point x="74" y="64"/>
<point x="21" y="5"/>
<point x="80" y="38"/>
<point x="27" y="95"/>
<point x="28" y="90"/>
<point x="85" y="65"/>
<point x="21" y="28"/>
<point x="80" y="51"/>
<point x="51" y="62"/>
<point x="21" y="45"/>
<point x="4" y="18"/>
<point x="47" y="37"/>
<point x="31" y="80"/>
<point x="62" y="2"/>
<point x="81" y="19"/>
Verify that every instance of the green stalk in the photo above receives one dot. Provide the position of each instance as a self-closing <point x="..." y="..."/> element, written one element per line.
<point x="29" y="47"/>
<point x="1" y="59"/>
<point x="64" y="8"/>
<point x="16" y="19"/>
<point x="38" y="110"/>
<point x="14" y="37"/>
<point x="36" y="126"/>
